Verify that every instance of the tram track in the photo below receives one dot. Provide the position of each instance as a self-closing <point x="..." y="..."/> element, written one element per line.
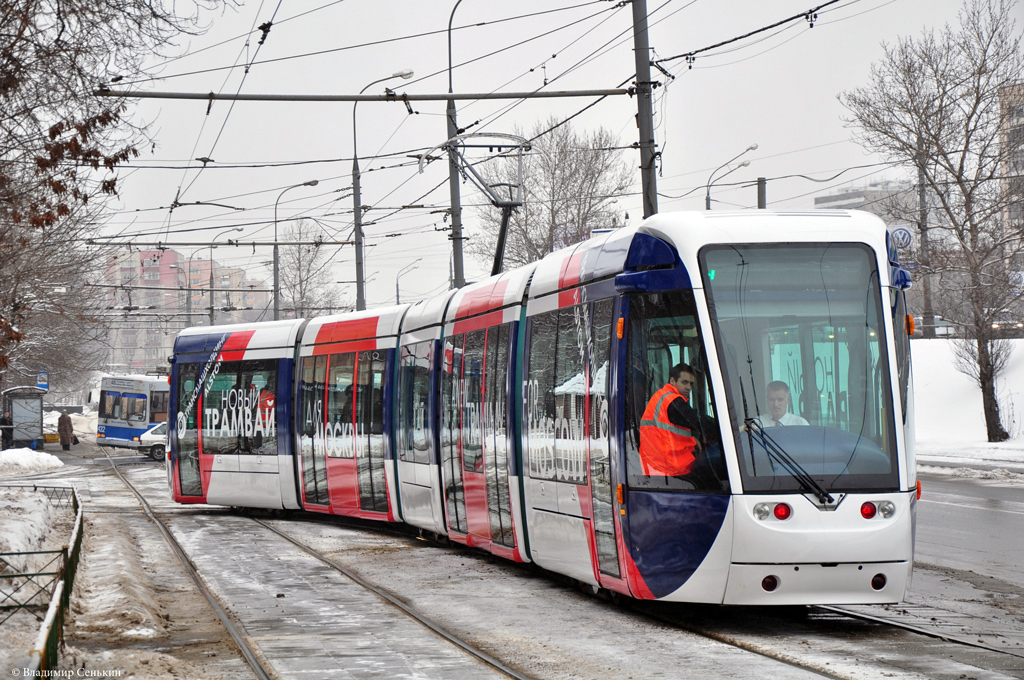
<point x="724" y="634"/>
<point x="920" y="630"/>
<point x="622" y="603"/>
<point x="395" y="601"/>
<point x="252" y="655"/>
<point x="240" y="639"/>
<point x="730" y="627"/>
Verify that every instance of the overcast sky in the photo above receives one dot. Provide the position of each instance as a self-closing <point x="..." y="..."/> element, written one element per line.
<point x="777" y="89"/>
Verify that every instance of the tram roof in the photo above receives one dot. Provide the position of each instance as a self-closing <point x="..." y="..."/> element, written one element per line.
<point x="354" y="326"/>
<point x="241" y="336"/>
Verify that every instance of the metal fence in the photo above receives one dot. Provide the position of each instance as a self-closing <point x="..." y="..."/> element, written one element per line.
<point x="44" y="588"/>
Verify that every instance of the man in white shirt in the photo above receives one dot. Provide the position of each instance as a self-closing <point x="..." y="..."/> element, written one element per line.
<point x="779" y="400"/>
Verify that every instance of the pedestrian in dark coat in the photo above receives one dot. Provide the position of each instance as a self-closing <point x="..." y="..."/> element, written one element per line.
<point x="66" y="431"/>
<point x="7" y="427"/>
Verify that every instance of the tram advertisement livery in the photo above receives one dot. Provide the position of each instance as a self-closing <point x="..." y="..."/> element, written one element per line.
<point x="706" y="407"/>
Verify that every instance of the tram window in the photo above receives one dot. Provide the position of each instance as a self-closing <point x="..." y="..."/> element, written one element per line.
<point x="256" y="407"/>
<point x="898" y="302"/>
<point x="413" y="403"/>
<point x="472" y="394"/>
<point x="681" y="452"/>
<point x="540" y="395"/>
<point x="110" y="404"/>
<point x="186" y="430"/>
<point x="314" y="464"/>
<point x="495" y="433"/>
<point x="570" y="394"/>
<point x="497" y="391"/>
<point x="239" y="408"/>
<point x="338" y="428"/>
<point x="369" y="403"/>
<point x="600" y="462"/>
<point x="806" y="320"/>
<point x="450" y="423"/>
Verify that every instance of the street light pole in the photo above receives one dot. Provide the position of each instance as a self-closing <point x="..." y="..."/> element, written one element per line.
<point x="357" y="198"/>
<point x="711" y="180"/>
<point x="398" y="299"/>
<point x="212" y="246"/>
<point x="188" y="285"/>
<point x="277" y="280"/>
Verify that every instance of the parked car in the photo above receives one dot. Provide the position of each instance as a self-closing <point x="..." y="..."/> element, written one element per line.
<point x="153" y="442"/>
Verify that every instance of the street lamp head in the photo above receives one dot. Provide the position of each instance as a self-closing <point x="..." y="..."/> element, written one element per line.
<point x="752" y="147"/>
<point x="405" y="74"/>
<point x="743" y="164"/>
<point x="311" y="183"/>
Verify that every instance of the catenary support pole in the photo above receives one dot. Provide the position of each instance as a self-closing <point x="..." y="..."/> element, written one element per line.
<point x="454" y="192"/>
<point x="645" y="111"/>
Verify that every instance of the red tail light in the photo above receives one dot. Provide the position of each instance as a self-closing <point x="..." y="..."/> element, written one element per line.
<point x="770" y="583"/>
<point x="783" y="511"/>
<point x="868" y="510"/>
<point x="878" y="581"/>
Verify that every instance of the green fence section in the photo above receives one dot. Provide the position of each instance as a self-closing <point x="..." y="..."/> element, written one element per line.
<point x="48" y="586"/>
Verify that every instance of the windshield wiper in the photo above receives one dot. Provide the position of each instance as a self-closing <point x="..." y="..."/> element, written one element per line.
<point x="779" y="455"/>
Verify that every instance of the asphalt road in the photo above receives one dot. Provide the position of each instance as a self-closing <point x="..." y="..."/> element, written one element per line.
<point x="972" y="525"/>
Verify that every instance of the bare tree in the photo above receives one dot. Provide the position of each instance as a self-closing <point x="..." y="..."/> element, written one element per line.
<point x="571" y="182"/>
<point x="53" y="312"/>
<point x="60" y="145"/>
<point x="944" y="104"/>
<point x="307" y="288"/>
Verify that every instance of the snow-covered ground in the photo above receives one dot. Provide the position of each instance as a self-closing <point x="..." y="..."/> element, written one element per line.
<point x="30" y="523"/>
<point x="950" y="420"/>
<point x="950" y="440"/>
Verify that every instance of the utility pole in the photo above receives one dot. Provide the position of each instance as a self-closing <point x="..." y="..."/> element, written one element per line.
<point x="459" y="278"/>
<point x="924" y="256"/>
<point x="762" y="193"/>
<point x="645" y="113"/>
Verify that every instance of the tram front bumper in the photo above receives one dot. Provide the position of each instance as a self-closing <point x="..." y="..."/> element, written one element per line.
<point x="807" y="584"/>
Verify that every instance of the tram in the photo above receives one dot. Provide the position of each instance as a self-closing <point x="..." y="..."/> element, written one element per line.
<point x="506" y="415"/>
<point x="129" y="405"/>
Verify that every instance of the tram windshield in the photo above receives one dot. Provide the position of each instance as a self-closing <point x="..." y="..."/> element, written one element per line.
<point x="799" y="330"/>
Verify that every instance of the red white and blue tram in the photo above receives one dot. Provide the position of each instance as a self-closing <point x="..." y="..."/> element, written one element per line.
<point x="506" y="415"/>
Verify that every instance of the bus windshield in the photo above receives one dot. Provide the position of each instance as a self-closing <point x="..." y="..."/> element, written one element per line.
<point x="799" y="330"/>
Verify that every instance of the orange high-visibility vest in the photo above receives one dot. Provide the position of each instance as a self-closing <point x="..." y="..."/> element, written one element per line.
<point x="665" y="449"/>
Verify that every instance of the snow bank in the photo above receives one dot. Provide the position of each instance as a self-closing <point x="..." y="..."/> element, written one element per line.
<point x="949" y="417"/>
<point x="30" y="523"/>
<point x="24" y="461"/>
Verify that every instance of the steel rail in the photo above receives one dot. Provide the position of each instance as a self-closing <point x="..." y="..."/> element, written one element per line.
<point x="920" y="630"/>
<point x="409" y="611"/>
<point x="237" y="635"/>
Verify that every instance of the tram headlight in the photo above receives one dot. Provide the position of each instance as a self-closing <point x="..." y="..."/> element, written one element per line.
<point x="762" y="511"/>
<point x="886" y="509"/>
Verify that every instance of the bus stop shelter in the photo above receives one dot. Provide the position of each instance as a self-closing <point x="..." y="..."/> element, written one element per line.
<point x="25" y="405"/>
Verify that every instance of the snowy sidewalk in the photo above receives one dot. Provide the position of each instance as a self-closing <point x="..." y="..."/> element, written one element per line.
<point x="981" y="456"/>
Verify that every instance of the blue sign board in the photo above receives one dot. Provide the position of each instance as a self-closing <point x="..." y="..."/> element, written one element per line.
<point x="43" y="380"/>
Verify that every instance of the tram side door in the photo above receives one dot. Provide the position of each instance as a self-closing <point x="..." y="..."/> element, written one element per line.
<point x="602" y="484"/>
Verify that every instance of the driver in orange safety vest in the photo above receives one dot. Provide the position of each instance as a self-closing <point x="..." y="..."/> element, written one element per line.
<point x="667" y="446"/>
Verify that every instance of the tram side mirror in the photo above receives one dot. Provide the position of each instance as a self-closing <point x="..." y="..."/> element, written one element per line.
<point x="901" y="279"/>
